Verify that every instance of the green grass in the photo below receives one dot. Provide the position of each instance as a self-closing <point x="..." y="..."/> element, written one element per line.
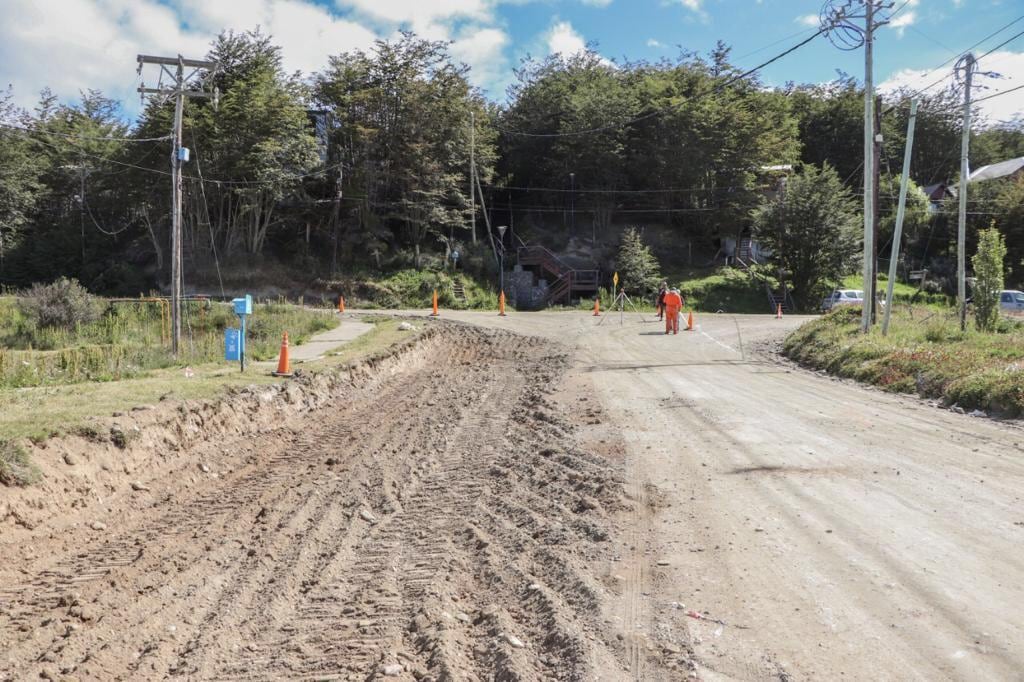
<point x="46" y="411"/>
<point x="130" y="339"/>
<point x="414" y="289"/>
<point x="901" y="292"/>
<point x="925" y="353"/>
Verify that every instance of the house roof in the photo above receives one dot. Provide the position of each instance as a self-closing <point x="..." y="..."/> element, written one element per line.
<point x="997" y="170"/>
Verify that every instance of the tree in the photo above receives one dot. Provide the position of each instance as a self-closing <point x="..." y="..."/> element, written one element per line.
<point x="637" y="267"/>
<point x="19" y="180"/>
<point x="811" y="229"/>
<point x="988" y="277"/>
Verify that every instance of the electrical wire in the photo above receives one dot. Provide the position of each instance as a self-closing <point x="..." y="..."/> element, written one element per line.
<point x="644" y="117"/>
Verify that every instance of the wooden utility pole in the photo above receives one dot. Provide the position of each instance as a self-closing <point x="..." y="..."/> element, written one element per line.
<point x="967" y="63"/>
<point x="178" y="91"/>
<point x="897" y="236"/>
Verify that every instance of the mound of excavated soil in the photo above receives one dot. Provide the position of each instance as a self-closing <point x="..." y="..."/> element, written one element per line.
<point x="425" y="515"/>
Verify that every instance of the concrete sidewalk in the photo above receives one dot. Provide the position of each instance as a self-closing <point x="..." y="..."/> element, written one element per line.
<point x="324" y="342"/>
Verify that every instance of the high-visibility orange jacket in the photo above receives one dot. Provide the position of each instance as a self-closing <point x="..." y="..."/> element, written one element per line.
<point x="673" y="301"/>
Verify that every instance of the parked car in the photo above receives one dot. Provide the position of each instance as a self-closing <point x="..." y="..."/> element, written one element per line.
<point x="843" y="297"/>
<point x="1011" y="301"/>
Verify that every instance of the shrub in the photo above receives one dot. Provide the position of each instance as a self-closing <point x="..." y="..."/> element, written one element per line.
<point x="988" y="271"/>
<point x="63" y="304"/>
<point x="15" y="466"/>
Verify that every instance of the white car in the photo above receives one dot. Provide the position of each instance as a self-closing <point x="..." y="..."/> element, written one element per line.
<point x="1011" y="301"/>
<point x="843" y="297"/>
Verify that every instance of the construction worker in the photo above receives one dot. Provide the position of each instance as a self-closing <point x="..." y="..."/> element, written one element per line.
<point x="659" y="302"/>
<point x="673" y="305"/>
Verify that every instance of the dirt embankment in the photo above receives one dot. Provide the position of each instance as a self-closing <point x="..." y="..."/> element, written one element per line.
<point x="423" y="515"/>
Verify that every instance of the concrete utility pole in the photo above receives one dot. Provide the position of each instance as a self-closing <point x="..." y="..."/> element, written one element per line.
<point x="876" y="170"/>
<point x="869" y="169"/>
<point x="837" y="20"/>
<point x="178" y="90"/>
<point x="894" y="254"/>
<point x="472" y="173"/>
<point x="967" y="63"/>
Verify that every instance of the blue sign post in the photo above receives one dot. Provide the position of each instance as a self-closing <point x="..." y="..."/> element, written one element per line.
<point x="243" y="308"/>
<point x="232" y="347"/>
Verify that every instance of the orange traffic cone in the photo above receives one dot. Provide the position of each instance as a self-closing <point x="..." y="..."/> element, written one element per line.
<point x="341" y="304"/>
<point x="284" y="367"/>
<point x="501" y="304"/>
<point x="778" y="312"/>
<point x="689" y="322"/>
<point x="434" y="301"/>
<point x="597" y="307"/>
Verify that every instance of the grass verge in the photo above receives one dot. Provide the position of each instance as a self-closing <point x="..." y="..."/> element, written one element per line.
<point x="47" y="411"/>
<point x="923" y="355"/>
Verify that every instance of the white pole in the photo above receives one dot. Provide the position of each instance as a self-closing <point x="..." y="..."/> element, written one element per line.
<point x="894" y="254"/>
<point x="869" y="153"/>
<point x="961" y="233"/>
<point x="472" y="172"/>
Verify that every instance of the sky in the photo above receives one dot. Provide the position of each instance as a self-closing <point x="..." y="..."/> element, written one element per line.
<point x="74" y="45"/>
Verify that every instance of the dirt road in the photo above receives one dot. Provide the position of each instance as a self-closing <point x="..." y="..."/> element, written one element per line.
<point x="558" y="503"/>
<point x="854" y="534"/>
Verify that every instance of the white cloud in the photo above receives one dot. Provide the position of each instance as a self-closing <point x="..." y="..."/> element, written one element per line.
<point x="654" y="42"/>
<point x="597" y="3"/>
<point x="563" y="39"/>
<point x="808" y="20"/>
<point x="694" y="5"/>
<point x="93" y="43"/>
<point x="1010" y="65"/>
<point x="483" y="49"/>
<point x="906" y="17"/>
<point x="428" y="18"/>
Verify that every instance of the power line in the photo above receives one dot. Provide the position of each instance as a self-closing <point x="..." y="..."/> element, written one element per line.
<point x="644" y="117"/>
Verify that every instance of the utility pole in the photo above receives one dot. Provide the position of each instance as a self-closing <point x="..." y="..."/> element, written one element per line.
<point x="179" y="156"/>
<point x="472" y="173"/>
<point x="897" y="236"/>
<point x="869" y="170"/>
<point x="967" y="63"/>
<point x="837" y="20"/>
<point x="876" y="168"/>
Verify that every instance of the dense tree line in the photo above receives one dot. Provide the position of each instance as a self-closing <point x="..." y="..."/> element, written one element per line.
<point x="366" y="163"/>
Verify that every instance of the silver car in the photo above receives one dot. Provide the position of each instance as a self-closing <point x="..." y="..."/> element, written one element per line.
<point x="1011" y="301"/>
<point x="843" y="297"/>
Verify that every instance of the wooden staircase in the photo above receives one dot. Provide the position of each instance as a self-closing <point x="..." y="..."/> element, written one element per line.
<point x="779" y="297"/>
<point x="565" y="280"/>
<point x="459" y="291"/>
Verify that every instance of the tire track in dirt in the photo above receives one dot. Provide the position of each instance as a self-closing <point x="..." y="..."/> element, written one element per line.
<point x="438" y="522"/>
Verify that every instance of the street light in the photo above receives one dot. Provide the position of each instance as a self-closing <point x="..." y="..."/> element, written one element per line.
<point x="501" y="256"/>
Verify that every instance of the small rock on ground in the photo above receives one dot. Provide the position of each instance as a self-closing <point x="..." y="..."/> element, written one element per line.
<point x="98" y="525"/>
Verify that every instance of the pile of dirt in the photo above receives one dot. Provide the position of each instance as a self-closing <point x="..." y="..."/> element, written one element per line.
<point x="424" y="515"/>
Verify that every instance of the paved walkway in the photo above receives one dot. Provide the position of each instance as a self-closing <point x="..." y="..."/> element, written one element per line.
<point x="320" y="344"/>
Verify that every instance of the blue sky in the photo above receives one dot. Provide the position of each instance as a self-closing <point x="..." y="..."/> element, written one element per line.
<point x="70" y="45"/>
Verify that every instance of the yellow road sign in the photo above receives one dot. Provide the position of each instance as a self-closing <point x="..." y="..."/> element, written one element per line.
<point x="615" y="280"/>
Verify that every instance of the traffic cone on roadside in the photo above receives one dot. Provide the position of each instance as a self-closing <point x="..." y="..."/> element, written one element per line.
<point x="284" y="366"/>
<point x="501" y="304"/>
<point x="434" y="303"/>
<point x="597" y="307"/>
<point x="689" y="322"/>
<point x="341" y="304"/>
<point x="778" y="312"/>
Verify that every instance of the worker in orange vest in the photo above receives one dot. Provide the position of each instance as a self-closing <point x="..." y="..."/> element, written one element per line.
<point x="673" y="304"/>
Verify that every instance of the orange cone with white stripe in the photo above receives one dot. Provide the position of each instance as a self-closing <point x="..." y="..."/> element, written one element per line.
<point x="284" y="366"/>
<point x="778" y="312"/>
<point x="597" y="307"/>
<point x="689" y="322"/>
<point x="341" y="304"/>
<point x="501" y="304"/>
<point x="434" y="303"/>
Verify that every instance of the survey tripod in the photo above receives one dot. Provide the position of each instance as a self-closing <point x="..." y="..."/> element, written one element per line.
<point x="621" y="299"/>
